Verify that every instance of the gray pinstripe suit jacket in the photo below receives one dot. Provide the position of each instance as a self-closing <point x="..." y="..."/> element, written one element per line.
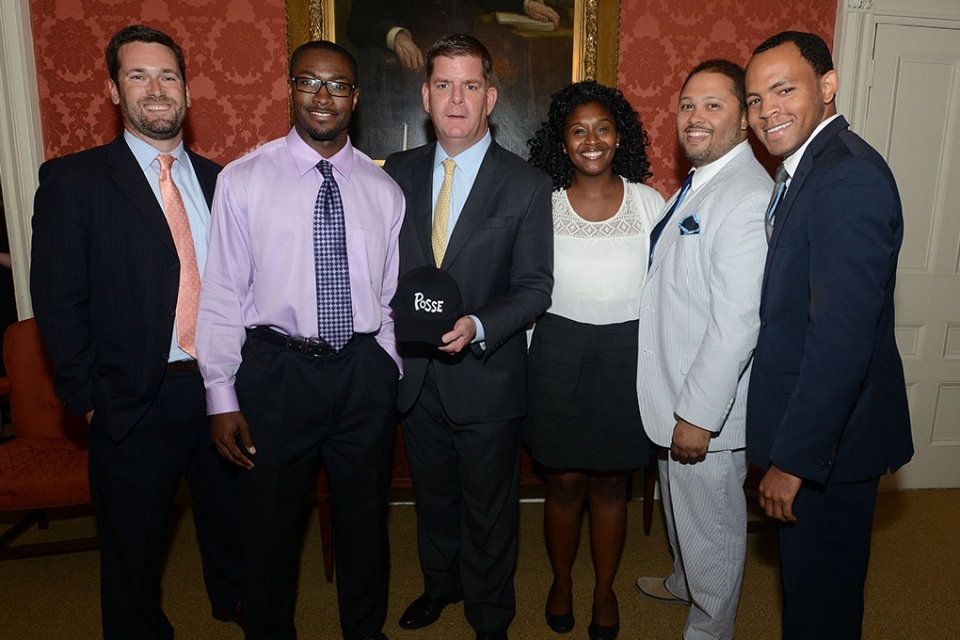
<point x="699" y="317"/>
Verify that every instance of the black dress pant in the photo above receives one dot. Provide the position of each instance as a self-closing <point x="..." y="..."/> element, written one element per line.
<point x="302" y="408"/>
<point x="466" y="480"/>
<point x="133" y="484"/>
<point x="823" y="560"/>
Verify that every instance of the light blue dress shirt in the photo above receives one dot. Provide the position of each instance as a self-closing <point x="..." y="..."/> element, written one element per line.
<point x="198" y="213"/>
<point x="468" y="165"/>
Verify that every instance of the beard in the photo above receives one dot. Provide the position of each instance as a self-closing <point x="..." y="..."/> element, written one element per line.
<point x="722" y="142"/>
<point x="154" y="128"/>
<point x="322" y="135"/>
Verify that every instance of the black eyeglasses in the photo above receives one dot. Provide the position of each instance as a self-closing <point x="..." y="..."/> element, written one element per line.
<point x="335" y="88"/>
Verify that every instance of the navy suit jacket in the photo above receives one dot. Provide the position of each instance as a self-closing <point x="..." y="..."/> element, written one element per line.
<point x="827" y="399"/>
<point x="501" y="254"/>
<point x="104" y="281"/>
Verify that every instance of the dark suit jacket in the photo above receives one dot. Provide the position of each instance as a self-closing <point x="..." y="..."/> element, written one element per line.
<point x="827" y="399"/>
<point x="501" y="255"/>
<point x="104" y="281"/>
<point x="427" y="20"/>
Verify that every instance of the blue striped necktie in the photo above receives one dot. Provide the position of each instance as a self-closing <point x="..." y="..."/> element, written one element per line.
<point x="779" y="188"/>
<point x="658" y="230"/>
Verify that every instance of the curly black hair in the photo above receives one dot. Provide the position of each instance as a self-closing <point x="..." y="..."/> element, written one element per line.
<point x="546" y="146"/>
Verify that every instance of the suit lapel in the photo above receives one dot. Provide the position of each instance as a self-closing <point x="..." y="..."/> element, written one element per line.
<point x="689" y="206"/>
<point x="420" y="207"/>
<point x="476" y="208"/>
<point x="126" y="174"/>
<point x="810" y="156"/>
<point x="667" y="238"/>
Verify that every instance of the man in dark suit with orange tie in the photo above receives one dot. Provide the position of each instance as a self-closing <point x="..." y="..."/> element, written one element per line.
<point x="119" y="240"/>
<point x="827" y="408"/>
<point x="482" y="215"/>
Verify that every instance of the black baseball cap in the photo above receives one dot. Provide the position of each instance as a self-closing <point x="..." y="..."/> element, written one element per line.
<point x="426" y="305"/>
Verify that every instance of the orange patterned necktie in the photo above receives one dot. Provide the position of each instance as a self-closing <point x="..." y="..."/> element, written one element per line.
<point x="188" y="297"/>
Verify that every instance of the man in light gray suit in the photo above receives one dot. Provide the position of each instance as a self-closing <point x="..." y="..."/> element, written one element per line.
<point x="698" y="327"/>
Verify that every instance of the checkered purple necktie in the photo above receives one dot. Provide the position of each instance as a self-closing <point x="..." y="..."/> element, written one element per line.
<point x="334" y="309"/>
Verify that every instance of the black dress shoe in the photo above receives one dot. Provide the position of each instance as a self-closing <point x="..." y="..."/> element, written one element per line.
<point x="491" y="635"/>
<point x="562" y="623"/>
<point x="599" y="632"/>
<point x="234" y="615"/>
<point x="424" y="611"/>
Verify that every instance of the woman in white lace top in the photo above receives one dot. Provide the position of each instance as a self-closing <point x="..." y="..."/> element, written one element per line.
<point x="584" y="423"/>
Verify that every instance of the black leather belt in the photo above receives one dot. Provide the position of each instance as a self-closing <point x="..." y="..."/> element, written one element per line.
<point x="312" y="347"/>
<point x="183" y="365"/>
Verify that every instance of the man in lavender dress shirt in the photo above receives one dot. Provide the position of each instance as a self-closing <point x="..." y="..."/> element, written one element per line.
<point x="280" y="397"/>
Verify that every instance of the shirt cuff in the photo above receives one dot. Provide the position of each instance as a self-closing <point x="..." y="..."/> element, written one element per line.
<point x="392" y="35"/>
<point x="481" y="336"/>
<point x="222" y="399"/>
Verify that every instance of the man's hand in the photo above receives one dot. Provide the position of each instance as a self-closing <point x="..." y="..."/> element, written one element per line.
<point x="543" y="13"/>
<point x="778" y="490"/>
<point x="224" y="429"/>
<point x="690" y="442"/>
<point x="407" y="51"/>
<point x="460" y="337"/>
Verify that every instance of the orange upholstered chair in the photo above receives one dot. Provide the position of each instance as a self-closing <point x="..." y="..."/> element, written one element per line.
<point x="45" y="464"/>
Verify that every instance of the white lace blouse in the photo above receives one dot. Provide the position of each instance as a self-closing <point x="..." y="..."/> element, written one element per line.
<point x="599" y="267"/>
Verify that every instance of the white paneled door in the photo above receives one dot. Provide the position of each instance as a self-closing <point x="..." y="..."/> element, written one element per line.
<point x="912" y="119"/>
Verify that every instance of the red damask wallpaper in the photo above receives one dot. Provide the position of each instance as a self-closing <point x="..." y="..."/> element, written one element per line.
<point x="661" y="40"/>
<point x="236" y="63"/>
<point x="236" y="56"/>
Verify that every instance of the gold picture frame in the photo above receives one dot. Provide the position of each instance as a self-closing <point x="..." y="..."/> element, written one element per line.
<point x="595" y="31"/>
<point x="596" y="43"/>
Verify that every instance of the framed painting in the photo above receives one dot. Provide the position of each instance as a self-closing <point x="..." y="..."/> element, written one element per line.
<point x="531" y="63"/>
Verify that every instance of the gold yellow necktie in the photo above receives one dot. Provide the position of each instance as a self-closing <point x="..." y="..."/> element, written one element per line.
<point x="438" y="237"/>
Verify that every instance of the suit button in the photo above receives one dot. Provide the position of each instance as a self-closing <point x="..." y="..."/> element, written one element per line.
<point x="763" y="323"/>
<point x="173" y="266"/>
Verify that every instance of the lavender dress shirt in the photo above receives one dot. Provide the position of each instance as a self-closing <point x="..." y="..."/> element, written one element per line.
<point x="260" y="269"/>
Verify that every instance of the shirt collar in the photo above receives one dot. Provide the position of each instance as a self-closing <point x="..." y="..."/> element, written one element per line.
<point x="307" y="158"/>
<point x="469" y="160"/>
<point x="705" y="173"/>
<point x="145" y="153"/>
<point x="791" y="162"/>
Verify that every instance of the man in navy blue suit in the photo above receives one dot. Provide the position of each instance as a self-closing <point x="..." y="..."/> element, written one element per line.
<point x="827" y="408"/>
<point x="108" y="279"/>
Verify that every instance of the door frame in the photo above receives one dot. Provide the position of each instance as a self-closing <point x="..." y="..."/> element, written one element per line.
<point x="857" y="22"/>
